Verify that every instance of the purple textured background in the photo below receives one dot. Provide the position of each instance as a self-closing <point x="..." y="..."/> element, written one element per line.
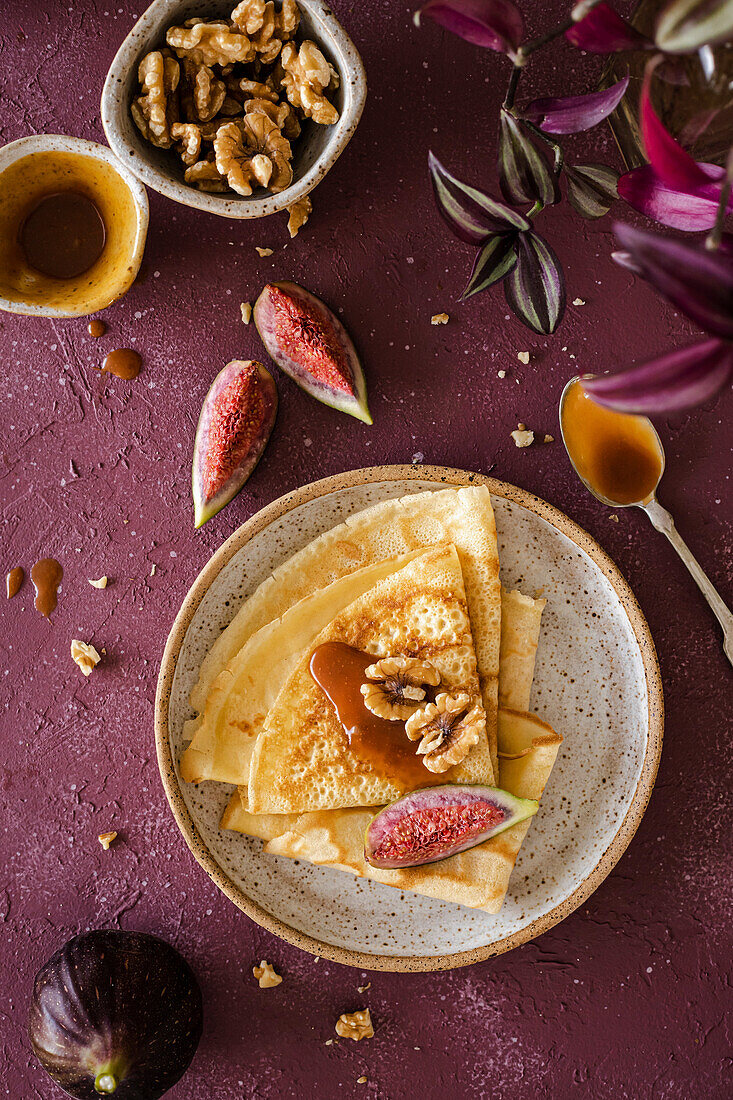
<point x="627" y="997"/>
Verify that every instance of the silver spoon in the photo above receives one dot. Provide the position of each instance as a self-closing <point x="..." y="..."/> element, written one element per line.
<point x="663" y="521"/>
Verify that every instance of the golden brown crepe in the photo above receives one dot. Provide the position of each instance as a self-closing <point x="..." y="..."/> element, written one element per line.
<point x="385" y="531"/>
<point x="477" y="878"/>
<point x="245" y="690"/>
<point x="302" y="760"/>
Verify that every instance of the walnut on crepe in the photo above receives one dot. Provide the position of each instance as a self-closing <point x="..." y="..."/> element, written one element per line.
<point x="396" y="686"/>
<point x="447" y="729"/>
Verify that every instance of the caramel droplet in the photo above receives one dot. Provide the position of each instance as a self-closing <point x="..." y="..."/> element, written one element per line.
<point x="46" y="575"/>
<point x="125" y="363"/>
<point x="96" y="328"/>
<point x="13" y="581"/>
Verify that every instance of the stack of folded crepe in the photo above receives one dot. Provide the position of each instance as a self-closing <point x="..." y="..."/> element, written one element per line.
<point x="416" y="577"/>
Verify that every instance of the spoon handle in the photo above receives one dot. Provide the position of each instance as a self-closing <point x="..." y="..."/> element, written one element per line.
<point x="662" y="520"/>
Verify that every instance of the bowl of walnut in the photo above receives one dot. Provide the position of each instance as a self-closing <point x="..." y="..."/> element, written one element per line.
<point x="238" y="111"/>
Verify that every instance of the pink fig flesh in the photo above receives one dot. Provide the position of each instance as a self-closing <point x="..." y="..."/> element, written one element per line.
<point x="309" y="343"/>
<point x="236" y="419"/>
<point x="433" y="823"/>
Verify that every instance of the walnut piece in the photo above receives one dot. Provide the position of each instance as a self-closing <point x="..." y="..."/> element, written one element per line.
<point x="246" y="309"/>
<point x="266" y="27"/>
<point x="448" y="728"/>
<point x="253" y="150"/>
<point x="522" y="437"/>
<point x="299" y="213"/>
<point x="263" y="252"/>
<point x="85" y="656"/>
<point x="396" y="689"/>
<point x="355" y="1025"/>
<point x="155" y="109"/>
<point x="523" y="357"/>
<point x="188" y="137"/>
<point x="205" y="175"/>
<point x="306" y="76"/>
<point x="105" y="839"/>
<point x="439" y="319"/>
<point x="265" y="975"/>
<point x="101" y="583"/>
<point x="210" y="43"/>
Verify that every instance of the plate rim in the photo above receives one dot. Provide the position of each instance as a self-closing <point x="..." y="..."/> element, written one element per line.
<point x="440" y="475"/>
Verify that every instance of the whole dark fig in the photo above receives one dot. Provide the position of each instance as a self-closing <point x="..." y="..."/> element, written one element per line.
<point x="309" y="343"/>
<point x="436" y="822"/>
<point x="115" y="1013"/>
<point x="236" y="419"/>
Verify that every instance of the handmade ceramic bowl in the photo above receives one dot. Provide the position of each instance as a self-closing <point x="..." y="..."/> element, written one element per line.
<point x="315" y="152"/>
<point x="596" y="681"/>
<point x="34" y="167"/>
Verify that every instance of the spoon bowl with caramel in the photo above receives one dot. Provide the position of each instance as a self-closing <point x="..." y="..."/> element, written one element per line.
<point x="619" y="457"/>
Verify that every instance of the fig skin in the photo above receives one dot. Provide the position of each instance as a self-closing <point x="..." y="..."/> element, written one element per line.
<point x="115" y="1013"/>
<point x="392" y="824"/>
<point x="307" y="341"/>
<point x="237" y="417"/>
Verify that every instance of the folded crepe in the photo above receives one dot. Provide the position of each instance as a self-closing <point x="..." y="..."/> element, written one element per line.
<point x="477" y="878"/>
<point x="245" y="690"/>
<point x="375" y="537"/>
<point x="303" y="760"/>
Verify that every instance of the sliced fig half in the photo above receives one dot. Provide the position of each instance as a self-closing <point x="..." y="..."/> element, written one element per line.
<point x="235" y="423"/>
<point x="310" y="344"/>
<point x="436" y="822"/>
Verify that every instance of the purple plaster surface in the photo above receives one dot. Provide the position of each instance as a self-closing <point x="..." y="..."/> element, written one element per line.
<point x="627" y="997"/>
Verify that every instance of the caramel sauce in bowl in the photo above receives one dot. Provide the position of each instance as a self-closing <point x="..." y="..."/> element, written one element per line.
<point x="618" y="456"/>
<point x="73" y="223"/>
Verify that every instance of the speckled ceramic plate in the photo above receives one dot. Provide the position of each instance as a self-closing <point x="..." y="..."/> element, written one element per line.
<point x="597" y="682"/>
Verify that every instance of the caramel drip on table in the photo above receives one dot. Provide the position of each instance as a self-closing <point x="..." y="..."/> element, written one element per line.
<point x="96" y="328"/>
<point x="125" y="363"/>
<point x="340" y="670"/>
<point x="13" y="581"/>
<point x="46" y="575"/>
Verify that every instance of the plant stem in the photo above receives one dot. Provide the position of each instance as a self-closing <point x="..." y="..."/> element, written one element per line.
<point x="713" y="239"/>
<point x="512" y="88"/>
<point x="536" y="43"/>
<point x="554" y="145"/>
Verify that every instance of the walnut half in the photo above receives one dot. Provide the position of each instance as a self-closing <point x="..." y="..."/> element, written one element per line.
<point x="448" y="729"/>
<point x="355" y="1025"/>
<point x="396" y="688"/>
<point x="306" y="76"/>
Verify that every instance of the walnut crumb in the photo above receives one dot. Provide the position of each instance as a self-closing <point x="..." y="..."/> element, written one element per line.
<point x="549" y="439"/>
<point x="439" y="319"/>
<point x="361" y="1080"/>
<point x="153" y="567"/>
<point x="521" y="427"/>
<point x="501" y="374"/>
<point x="246" y="308"/>
<point x="105" y="839"/>
<point x="263" y="251"/>
<point x="523" y="357"/>
<point x="101" y="583"/>
<point x="355" y="1025"/>
<point x="328" y="1043"/>
<point x="265" y="975"/>
<point x="298" y="215"/>
<point x="522" y="438"/>
<point x="614" y="518"/>
<point x="578" y="302"/>
<point x="85" y="655"/>
<point x="363" y="988"/>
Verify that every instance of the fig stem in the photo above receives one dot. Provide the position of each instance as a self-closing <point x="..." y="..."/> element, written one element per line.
<point x="105" y="1083"/>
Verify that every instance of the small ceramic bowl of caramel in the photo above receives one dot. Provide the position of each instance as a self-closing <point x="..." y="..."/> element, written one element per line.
<point x="73" y="223"/>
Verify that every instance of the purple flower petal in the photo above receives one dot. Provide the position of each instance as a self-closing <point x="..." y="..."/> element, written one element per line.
<point x="603" y="31"/>
<point x="573" y="113"/>
<point x="471" y="214"/>
<point x="697" y="281"/>
<point x="678" y="380"/>
<point x="493" y="24"/>
<point x="643" y="189"/>
<point x="670" y="161"/>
